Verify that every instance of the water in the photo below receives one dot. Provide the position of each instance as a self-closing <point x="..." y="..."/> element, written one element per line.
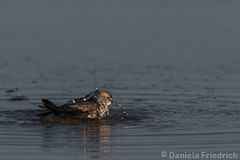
<point x="173" y="68"/>
<point x="181" y="109"/>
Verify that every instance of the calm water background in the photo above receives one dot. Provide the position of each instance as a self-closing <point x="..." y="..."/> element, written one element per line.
<point x="175" y="65"/>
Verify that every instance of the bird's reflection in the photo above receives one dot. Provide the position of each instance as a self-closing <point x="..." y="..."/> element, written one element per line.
<point x="98" y="135"/>
<point x="83" y="140"/>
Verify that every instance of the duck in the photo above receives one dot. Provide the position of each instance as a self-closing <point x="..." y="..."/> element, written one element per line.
<point x="94" y="105"/>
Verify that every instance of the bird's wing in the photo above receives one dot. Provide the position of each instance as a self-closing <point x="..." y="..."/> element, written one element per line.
<point x="78" y="109"/>
<point x="82" y="106"/>
<point x="59" y="110"/>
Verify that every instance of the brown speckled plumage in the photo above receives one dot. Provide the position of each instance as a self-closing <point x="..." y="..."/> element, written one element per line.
<point x="93" y="105"/>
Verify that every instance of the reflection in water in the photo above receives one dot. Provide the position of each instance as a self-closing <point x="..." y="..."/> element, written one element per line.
<point x="98" y="136"/>
<point x="85" y="139"/>
<point x="104" y="138"/>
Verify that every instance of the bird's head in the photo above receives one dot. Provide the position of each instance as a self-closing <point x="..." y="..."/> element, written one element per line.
<point x="103" y="97"/>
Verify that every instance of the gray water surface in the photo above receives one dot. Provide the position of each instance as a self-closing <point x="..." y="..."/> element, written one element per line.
<point x="170" y="109"/>
<point x="173" y="65"/>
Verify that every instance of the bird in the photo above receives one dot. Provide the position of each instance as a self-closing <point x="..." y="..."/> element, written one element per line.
<point x="94" y="105"/>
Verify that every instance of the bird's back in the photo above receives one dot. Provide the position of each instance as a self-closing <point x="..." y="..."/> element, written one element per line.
<point x="79" y="109"/>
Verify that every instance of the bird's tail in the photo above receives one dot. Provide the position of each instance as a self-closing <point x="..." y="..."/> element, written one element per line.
<point x="47" y="104"/>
